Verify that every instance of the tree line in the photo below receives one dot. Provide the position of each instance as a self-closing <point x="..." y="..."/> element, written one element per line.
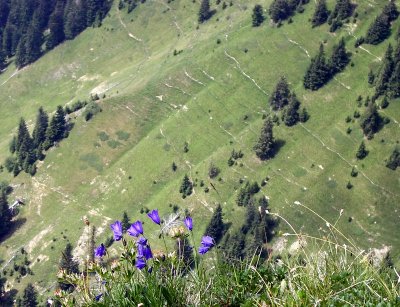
<point x="28" y="25"/>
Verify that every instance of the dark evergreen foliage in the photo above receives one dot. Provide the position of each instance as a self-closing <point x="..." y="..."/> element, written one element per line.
<point x="204" y="12"/>
<point x="23" y="24"/>
<point x="340" y="57"/>
<point x="125" y="221"/>
<point x="371" y="121"/>
<point x="280" y="96"/>
<point x="57" y="128"/>
<point x="342" y="11"/>
<point x="379" y="30"/>
<point x="280" y="10"/>
<point x="391" y="11"/>
<point x="321" y="14"/>
<point x="318" y="73"/>
<point x="39" y="132"/>
<point x="246" y="193"/>
<point x="216" y="227"/>
<point x="265" y="147"/>
<point x="291" y="115"/>
<point x="304" y="116"/>
<point x="362" y="151"/>
<point x="68" y="264"/>
<point x="382" y="80"/>
<point x="186" y="187"/>
<point x="258" y="16"/>
<point x="30" y="297"/>
<point x="394" y="159"/>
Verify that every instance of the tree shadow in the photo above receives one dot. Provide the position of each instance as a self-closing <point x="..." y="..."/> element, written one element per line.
<point x="278" y="145"/>
<point x="14" y="226"/>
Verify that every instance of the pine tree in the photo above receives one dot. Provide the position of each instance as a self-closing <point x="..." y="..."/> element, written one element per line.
<point x="394" y="82"/>
<point x="279" y="10"/>
<point x="22" y="134"/>
<point x="56" y="26"/>
<point x="391" y="11"/>
<point x="204" y="12"/>
<point x="186" y="187"/>
<point x="57" y="129"/>
<point x="257" y="17"/>
<point x="5" y="214"/>
<point x="234" y="246"/>
<point x="125" y="221"/>
<point x="362" y="151"/>
<point x="30" y="296"/>
<point x="318" y="73"/>
<point x="216" y="227"/>
<point x="394" y="159"/>
<point x="340" y="57"/>
<point x="281" y="94"/>
<point x="68" y="264"/>
<point x="321" y="14"/>
<point x="265" y="147"/>
<point x="379" y="30"/>
<point x="39" y="132"/>
<point x="33" y="41"/>
<point x="291" y="115"/>
<point x="382" y="81"/>
<point x="21" y="54"/>
<point x="304" y="116"/>
<point x="371" y="121"/>
<point x="343" y="10"/>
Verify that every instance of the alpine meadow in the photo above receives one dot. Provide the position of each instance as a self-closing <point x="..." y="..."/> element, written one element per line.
<point x="199" y="153"/>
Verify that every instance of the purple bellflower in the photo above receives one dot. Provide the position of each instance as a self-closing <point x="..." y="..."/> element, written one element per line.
<point x="189" y="223"/>
<point x="154" y="216"/>
<point x="142" y="241"/>
<point x="136" y="229"/>
<point x="116" y="227"/>
<point x="206" y="244"/>
<point x="100" y="251"/>
<point x="140" y="263"/>
<point x="144" y="251"/>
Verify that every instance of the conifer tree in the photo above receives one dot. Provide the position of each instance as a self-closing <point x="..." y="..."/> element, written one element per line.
<point x="304" y="116"/>
<point x="362" y="151"/>
<point x="382" y="81"/>
<point x="68" y="264"/>
<point x="394" y="82"/>
<point x="56" y="26"/>
<point x="56" y="130"/>
<point x="281" y="94"/>
<point x="39" y="132"/>
<point x="379" y="30"/>
<point x="318" y="73"/>
<point x="394" y="159"/>
<point x="321" y="14"/>
<point x="391" y="11"/>
<point x="340" y="57"/>
<point x="279" y="10"/>
<point x="216" y="227"/>
<point x="22" y="134"/>
<point x="20" y="56"/>
<point x="30" y="296"/>
<point x="204" y="12"/>
<point x="186" y="187"/>
<point x="234" y="246"/>
<point x="184" y="252"/>
<point x="258" y="16"/>
<point x="125" y="221"/>
<point x="291" y="115"/>
<point x="371" y="120"/>
<point x="343" y="10"/>
<point x="265" y="146"/>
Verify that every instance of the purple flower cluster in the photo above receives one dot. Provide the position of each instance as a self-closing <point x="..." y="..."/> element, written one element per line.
<point x="206" y="244"/>
<point x="144" y="252"/>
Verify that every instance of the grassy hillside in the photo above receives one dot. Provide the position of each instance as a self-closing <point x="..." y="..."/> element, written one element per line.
<point x="213" y="96"/>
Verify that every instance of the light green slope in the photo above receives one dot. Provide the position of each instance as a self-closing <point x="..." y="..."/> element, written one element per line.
<point x="212" y="96"/>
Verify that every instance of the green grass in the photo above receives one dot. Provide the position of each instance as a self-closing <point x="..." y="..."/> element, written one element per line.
<point x="209" y="102"/>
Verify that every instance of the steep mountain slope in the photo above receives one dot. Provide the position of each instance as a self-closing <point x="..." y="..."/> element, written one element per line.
<point x="212" y="95"/>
